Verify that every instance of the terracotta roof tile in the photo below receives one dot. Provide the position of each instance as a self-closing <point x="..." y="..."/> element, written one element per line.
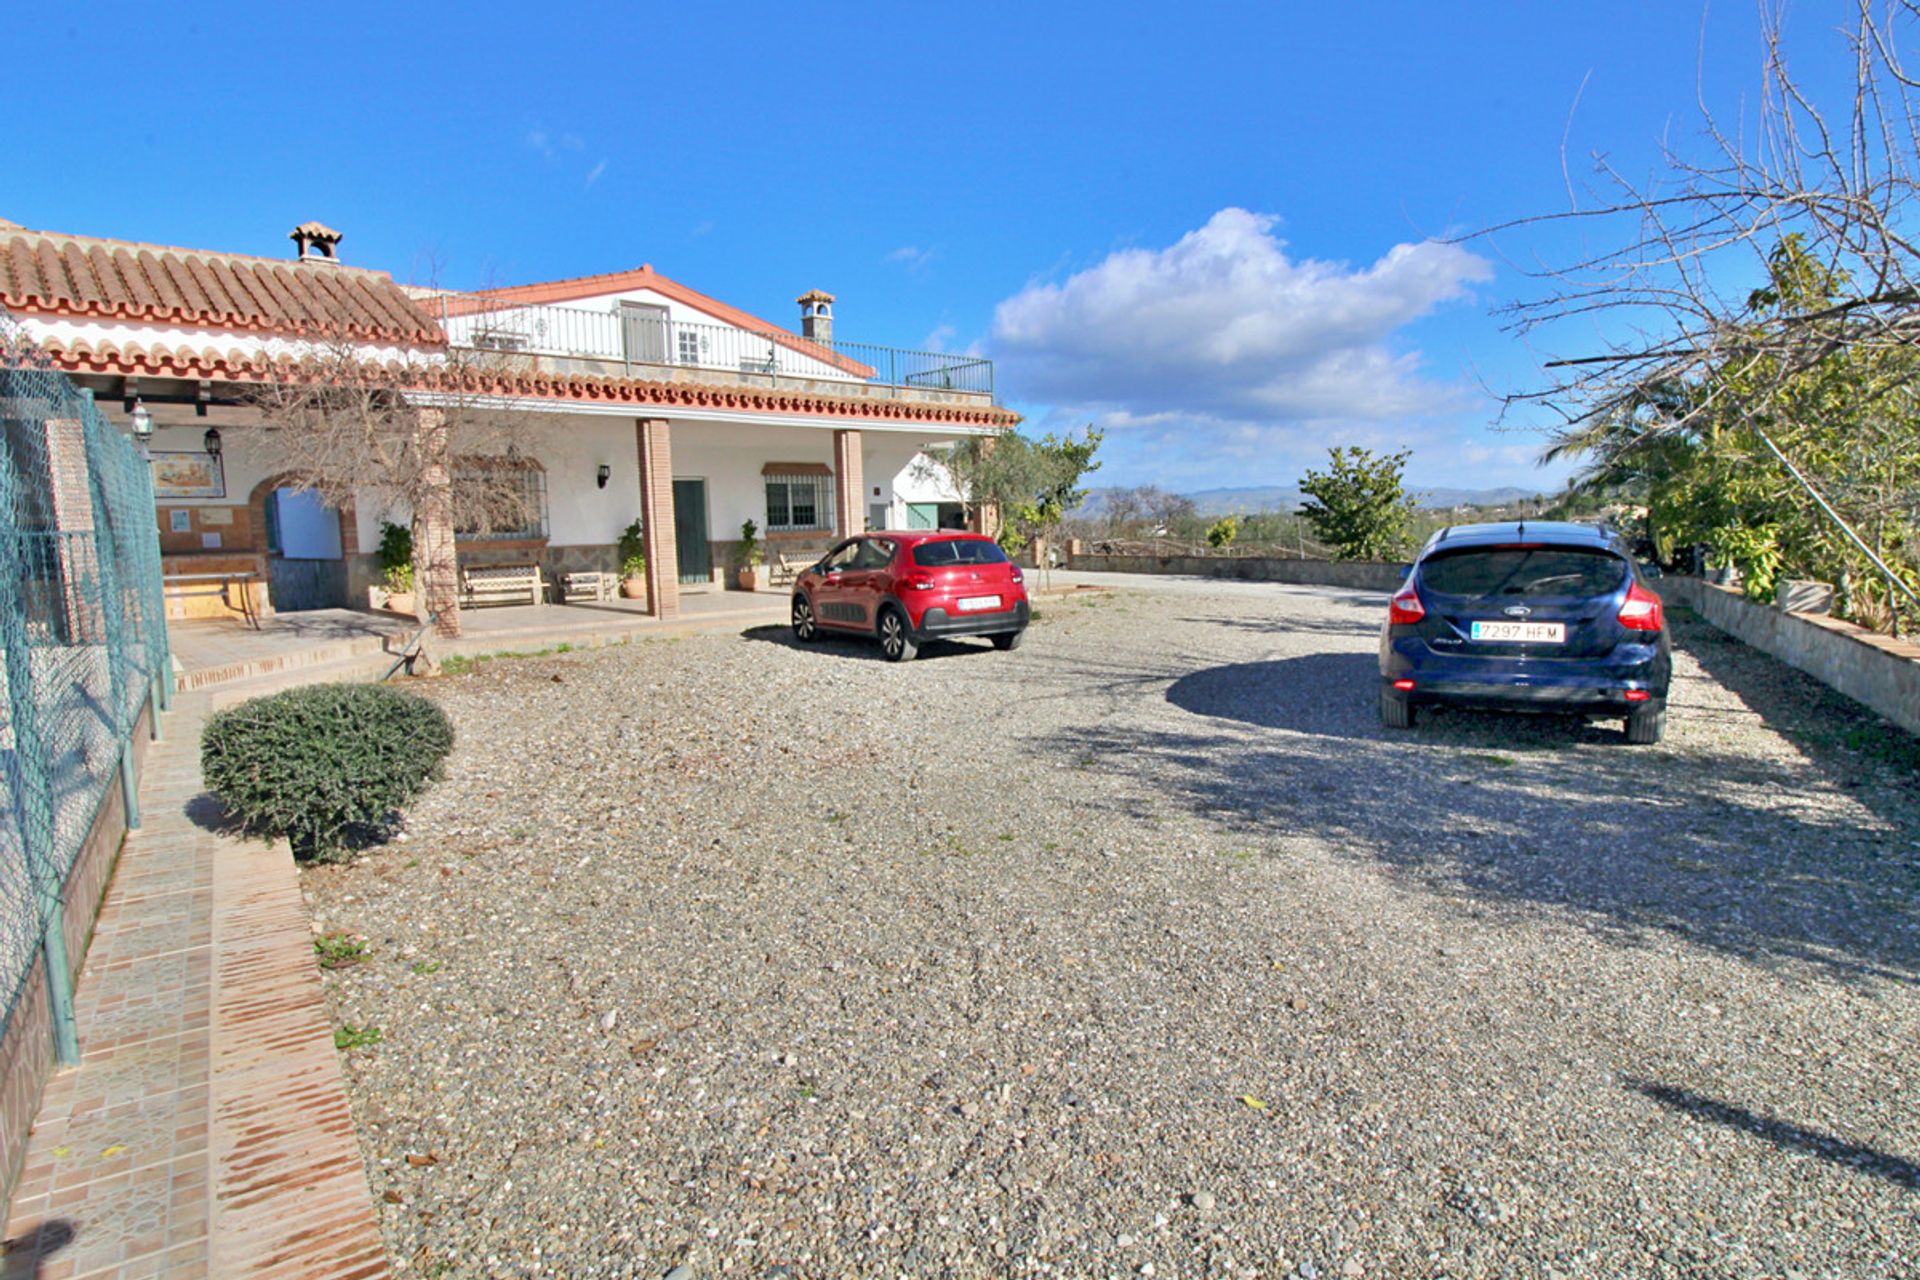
<point x="183" y="361"/>
<point x="56" y="274"/>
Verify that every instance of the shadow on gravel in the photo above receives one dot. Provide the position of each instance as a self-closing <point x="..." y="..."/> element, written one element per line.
<point x="837" y="646"/>
<point x="1812" y="855"/>
<point x="1345" y="687"/>
<point x="1289" y="627"/>
<point x="1786" y="1136"/>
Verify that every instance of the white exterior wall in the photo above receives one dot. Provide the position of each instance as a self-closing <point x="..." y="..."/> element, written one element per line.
<point x="591" y="327"/>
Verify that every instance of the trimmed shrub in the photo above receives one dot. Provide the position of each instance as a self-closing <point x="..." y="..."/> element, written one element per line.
<point x="325" y="764"/>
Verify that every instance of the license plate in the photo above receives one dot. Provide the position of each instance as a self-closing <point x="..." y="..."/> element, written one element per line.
<point x="974" y="604"/>
<point x="1520" y="632"/>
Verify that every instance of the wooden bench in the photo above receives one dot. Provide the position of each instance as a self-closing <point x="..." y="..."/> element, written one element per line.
<point x="790" y="560"/>
<point x="588" y="586"/>
<point x="502" y="584"/>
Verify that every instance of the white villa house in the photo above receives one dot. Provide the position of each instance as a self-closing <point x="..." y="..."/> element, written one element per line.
<point x="635" y="397"/>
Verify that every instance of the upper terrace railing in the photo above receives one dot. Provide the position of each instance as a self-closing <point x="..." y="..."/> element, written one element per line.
<point x="647" y="338"/>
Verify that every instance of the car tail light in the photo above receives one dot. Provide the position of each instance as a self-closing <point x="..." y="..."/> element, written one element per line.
<point x="1640" y="611"/>
<point x="1405" y="606"/>
<point x="1638" y="695"/>
<point x="918" y="580"/>
<point x="1403" y="684"/>
<point x="1018" y="576"/>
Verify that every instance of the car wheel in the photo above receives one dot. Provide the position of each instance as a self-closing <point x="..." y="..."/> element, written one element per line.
<point x="1005" y="640"/>
<point x="805" y="628"/>
<point x="896" y="637"/>
<point x="1395" y="713"/>
<point x="1644" y="728"/>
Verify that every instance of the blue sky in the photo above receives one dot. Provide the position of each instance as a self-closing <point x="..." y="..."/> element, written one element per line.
<point x="1204" y="226"/>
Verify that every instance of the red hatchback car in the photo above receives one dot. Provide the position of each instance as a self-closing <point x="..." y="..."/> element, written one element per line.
<point x="904" y="589"/>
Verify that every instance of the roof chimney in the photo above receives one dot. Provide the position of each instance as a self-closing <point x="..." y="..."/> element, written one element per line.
<point x="816" y="316"/>
<point x="315" y="242"/>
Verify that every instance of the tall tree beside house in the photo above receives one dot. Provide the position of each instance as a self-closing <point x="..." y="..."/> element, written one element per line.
<point x="1358" y="506"/>
<point x="408" y="436"/>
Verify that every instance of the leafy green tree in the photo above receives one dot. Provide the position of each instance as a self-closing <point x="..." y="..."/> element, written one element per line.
<point x="1220" y="533"/>
<point x="1701" y="453"/>
<point x="1358" y="505"/>
<point x="1031" y="483"/>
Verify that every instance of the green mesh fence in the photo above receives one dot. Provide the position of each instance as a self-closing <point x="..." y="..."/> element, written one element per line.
<point x="82" y="626"/>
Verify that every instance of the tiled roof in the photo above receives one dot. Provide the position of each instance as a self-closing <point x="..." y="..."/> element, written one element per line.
<point x="52" y="274"/>
<point x="638" y="394"/>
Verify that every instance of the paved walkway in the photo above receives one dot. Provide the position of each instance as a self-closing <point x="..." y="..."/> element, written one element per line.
<point x="222" y="651"/>
<point x="205" y="1131"/>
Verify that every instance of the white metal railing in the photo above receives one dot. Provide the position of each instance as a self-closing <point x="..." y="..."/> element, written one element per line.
<point x="635" y="336"/>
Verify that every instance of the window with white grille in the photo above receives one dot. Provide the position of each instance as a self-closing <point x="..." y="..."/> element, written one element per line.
<point x="798" y="503"/>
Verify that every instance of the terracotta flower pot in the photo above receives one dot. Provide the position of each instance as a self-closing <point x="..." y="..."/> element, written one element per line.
<point x="633" y="588"/>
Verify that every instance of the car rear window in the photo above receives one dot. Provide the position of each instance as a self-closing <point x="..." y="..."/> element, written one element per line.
<point x="952" y="551"/>
<point x="1523" y="571"/>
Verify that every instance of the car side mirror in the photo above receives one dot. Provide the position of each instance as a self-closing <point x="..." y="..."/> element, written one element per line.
<point x="1649" y="570"/>
<point x="1406" y="571"/>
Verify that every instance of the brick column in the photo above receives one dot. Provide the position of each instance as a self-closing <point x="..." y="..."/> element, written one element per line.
<point x="654" y="439"/>
<point x="436" y="570"/>
<point x="849" y="485"/>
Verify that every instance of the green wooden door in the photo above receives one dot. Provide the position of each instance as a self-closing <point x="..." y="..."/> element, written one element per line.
<point x="690" y="530"/>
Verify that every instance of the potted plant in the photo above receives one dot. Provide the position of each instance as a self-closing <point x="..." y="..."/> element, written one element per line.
<point x="400" y="589"/>
<point x="750" y="557"/>
<point x="632" y="550"/>
<point x="395" y="591"/>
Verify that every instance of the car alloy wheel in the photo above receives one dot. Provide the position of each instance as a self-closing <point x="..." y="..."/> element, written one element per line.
<point x="804" y="627"/>
<point x="896" y="642"/>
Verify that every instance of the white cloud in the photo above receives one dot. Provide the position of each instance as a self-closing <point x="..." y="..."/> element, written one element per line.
<point x="549" y="145"/>
<point x="938" y="339"/>
<point x="593" y="174"/>
<point x="912" y="257"/>
<point x="1223" y="324"/>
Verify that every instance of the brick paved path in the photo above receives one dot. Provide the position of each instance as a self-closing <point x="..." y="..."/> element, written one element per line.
<point x="205" y="1131"/>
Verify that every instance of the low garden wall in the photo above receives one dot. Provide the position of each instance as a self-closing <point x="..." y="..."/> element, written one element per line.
<point x="1364" y="575"/>
<point x="1878" y="671"/>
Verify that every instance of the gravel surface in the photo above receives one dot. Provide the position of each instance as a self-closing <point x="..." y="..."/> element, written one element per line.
<point x="1140" y="951"/>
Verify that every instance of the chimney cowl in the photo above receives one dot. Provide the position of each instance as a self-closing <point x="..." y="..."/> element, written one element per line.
<point x="315" y="242"/>
<point x="816" y="315"/>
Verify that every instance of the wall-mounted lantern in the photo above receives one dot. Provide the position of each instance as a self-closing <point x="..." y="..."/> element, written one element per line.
<point x="604" y="474"/>
<point x="142" y="424"/>
<point x="211" y="442"/>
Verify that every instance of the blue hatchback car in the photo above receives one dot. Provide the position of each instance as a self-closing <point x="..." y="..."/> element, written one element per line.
<point x="1527" y="617"/>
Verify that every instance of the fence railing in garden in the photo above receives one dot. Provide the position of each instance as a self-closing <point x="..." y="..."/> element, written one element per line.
<point x="83" y="633"/>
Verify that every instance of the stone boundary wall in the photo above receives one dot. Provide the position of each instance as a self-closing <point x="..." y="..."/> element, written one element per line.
<point x="1878" y="671"/>
<point x="1362" y="575"/>
<point x="26" y="1045"/>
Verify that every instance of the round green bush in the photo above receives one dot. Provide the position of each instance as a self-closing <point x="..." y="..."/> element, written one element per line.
<point x="325" y="763"/>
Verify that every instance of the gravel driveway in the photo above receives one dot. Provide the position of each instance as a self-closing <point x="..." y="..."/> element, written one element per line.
<point x="1140" y="951"/>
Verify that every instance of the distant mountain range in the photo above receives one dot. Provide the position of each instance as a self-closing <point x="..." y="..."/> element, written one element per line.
<point x="1215" y="502"/>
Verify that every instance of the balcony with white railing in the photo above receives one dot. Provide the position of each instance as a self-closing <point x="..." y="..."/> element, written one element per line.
<point x="651" y="345"/>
